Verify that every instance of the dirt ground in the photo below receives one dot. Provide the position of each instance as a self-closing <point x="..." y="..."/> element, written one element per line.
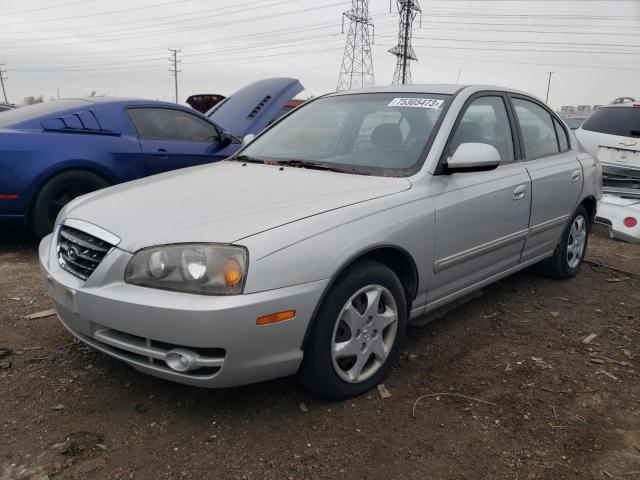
<point x="544" y="404"/>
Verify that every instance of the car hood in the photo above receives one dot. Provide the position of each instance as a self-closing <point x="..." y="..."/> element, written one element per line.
<point x="250" y="109"/>
<point x="223" y="202"/>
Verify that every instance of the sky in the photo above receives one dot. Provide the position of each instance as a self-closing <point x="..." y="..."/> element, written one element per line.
<point x="70" y="48"/>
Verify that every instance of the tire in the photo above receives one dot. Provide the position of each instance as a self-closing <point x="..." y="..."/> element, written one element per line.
<point x="56" y="193"/>
<point x="569" y="253"/>
<point x="346" y="355"/>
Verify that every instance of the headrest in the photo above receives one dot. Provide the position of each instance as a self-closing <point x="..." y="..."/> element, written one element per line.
<point x="386" y="136"/>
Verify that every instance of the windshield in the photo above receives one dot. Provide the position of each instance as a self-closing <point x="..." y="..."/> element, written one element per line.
<point x="622" y="121"/>
<point x="30" y="112"/>
<point x="374" y="133"/>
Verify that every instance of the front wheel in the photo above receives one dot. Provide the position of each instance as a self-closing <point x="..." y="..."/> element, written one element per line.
<point x="357" y="334"/>
<point x="569" y="254"/>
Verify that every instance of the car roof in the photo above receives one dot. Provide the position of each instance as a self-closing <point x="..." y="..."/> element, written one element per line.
<point x="621" y="105"/>
<point x="128" y="101"/>
<point x="439" y="89"/>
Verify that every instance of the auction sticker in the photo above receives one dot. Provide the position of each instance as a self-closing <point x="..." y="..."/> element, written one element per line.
<point x="416" y="102"/>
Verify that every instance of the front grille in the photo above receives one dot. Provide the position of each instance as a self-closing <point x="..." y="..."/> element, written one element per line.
<point x="80" y="253"/>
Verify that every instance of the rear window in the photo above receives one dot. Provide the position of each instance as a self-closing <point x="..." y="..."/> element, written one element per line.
<point x="622" y="121"/>
<point x="24" y="114"/>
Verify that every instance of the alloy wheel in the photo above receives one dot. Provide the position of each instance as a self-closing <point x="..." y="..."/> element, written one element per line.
<point x="364" y="333"/>
<point x="576" y="241"/>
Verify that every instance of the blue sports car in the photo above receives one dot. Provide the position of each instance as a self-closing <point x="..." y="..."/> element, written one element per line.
<point x="53" y="152"/>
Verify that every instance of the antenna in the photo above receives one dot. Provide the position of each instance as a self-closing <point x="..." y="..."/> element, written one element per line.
<point x="357" y="63"/>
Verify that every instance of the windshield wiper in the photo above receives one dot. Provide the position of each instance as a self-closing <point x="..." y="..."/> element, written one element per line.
<point x="312" y="165"/>
<point x="247" y="159"/>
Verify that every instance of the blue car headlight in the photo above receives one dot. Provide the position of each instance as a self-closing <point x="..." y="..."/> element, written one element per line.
<point x="206" y="269"/>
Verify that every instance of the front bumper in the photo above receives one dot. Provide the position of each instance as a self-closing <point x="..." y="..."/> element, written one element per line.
<point x="141" y="325"/>
<point x="612" y="212"/>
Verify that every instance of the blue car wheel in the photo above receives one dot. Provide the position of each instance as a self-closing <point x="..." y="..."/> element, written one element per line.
<point x="56" y="193"/>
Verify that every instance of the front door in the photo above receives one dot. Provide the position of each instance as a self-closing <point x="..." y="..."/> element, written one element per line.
<point x="555" y="172"/>
<point x="172" y="138"/>
<point x="481" y="216"/>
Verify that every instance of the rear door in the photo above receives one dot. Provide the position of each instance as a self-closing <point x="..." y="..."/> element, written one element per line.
<point x="481" y="216"/>
<point x="556" y="174"/>
<point x="173" y="138"/>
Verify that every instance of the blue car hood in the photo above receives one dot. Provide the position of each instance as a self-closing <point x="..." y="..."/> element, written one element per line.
<point x="250" y="109"/>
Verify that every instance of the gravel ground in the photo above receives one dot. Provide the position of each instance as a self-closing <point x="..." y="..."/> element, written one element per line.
<point x="520" y="395"/>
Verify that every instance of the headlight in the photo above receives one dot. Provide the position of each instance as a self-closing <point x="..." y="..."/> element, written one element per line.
<point x="206" y="269"/>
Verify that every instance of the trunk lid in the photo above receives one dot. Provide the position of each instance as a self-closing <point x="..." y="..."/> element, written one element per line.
<point x="250" y="109"/>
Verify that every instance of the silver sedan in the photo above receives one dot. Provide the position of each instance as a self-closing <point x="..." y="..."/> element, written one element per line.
<point x="310" y="250"/>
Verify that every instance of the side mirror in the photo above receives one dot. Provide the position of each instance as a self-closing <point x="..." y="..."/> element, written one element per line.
<point x="473" y="156"/>
<point x="248" y="139"/>
<point x="226" y="139"/>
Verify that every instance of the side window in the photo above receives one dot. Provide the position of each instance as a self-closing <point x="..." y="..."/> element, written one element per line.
<point x="538" y="132"/>
<point x="486" y="121"/>
<point x="170" y="124"/>
<point x="563" y="140"/>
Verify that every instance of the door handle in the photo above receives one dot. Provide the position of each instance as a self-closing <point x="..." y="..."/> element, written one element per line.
<point x="161" y="153"/>
<point x="519" y="192"/>
<point x="575" y="175"/>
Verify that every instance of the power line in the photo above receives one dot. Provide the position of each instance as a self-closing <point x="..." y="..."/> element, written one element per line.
<point x="164" y="24"/>
<point x="96" y="14"/>
<point x="408" y="9"/>
<point x="61" y="5"/>
<point x="287" y="43"/>
<point x="175" y="70"/>
<point x="184" y="29"/>
<point x="356" y="70"/>
<point x="198" y="14"/>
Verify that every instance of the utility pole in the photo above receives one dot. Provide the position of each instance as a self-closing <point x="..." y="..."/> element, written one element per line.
<point x="408" y="9"/>
<point x="2" y="79"/>
<point x="548" y="87"/>
<point x="356" y="70"/>
<point x="174" y="61"/>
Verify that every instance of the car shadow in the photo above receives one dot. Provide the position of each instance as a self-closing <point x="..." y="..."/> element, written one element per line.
<point x="14" y="240"/>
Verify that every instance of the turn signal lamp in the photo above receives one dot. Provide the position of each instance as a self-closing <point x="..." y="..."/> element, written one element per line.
<point x="232" y="272"/>
<point x="276" y="317"/>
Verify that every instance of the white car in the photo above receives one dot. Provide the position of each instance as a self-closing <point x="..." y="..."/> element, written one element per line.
<point x="612" y="134"/>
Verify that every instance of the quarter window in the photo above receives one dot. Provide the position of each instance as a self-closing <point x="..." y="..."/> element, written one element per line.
<point x="486" y="121"/>
<point x="536" y="126"/>
<point x="563" y="140"/>
<point x="170" y="124"/>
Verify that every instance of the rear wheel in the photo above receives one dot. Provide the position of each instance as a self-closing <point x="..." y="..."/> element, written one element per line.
<point x="357" y="335"/>
<point x="56" y="193"/>
<point x="569" y="254"/>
